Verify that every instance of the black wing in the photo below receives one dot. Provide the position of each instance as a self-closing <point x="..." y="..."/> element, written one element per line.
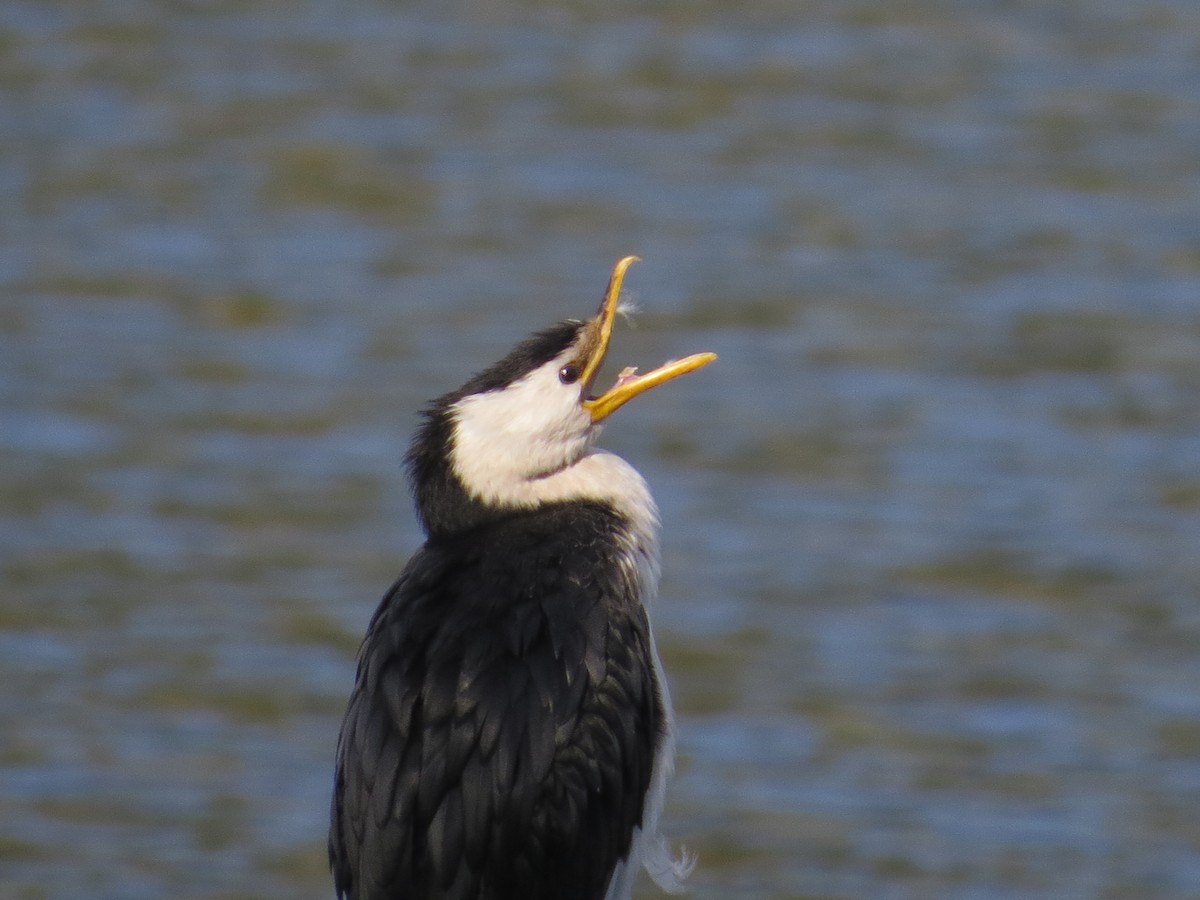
<point x="502" y="730"/>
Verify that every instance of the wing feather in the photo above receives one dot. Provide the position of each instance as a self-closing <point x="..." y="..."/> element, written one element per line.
<point x="502" y="730"/>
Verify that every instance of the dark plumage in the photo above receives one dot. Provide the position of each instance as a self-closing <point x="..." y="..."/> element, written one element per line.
<point x="501" y="734"/>
<point x="508" y="736"/>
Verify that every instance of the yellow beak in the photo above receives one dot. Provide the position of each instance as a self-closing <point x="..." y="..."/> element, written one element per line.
<point x="629" y="384"/>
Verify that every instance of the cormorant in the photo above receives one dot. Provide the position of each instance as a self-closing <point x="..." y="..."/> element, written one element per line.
<point x="509" y="734"/>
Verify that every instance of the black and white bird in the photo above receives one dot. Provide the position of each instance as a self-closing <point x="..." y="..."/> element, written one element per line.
<point x="509" y="734"/>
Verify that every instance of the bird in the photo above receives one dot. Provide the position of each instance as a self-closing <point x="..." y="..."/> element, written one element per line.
<point x="509" y="733"/>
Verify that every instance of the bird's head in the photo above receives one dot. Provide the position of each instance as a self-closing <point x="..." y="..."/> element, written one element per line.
<point x="496" y="443"/>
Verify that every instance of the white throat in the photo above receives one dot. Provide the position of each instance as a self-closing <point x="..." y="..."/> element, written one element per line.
<point x="598" y="476"/>
<point x="531" y="444"/>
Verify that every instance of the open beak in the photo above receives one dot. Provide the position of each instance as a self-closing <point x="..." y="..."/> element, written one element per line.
<point x="629" y="384"/>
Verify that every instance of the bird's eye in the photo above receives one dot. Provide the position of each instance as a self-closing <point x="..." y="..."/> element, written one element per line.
<point x="568" y="374"/>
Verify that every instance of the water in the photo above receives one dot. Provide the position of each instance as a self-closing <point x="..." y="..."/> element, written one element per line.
<point x="932" y="522"/>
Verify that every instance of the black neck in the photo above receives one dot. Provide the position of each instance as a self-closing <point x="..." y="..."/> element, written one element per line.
<point x="444" y="506"/>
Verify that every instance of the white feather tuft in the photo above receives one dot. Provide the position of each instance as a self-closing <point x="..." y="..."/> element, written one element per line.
<point x="668" y="871"/>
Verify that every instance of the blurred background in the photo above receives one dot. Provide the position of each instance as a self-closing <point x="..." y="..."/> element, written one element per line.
<point x="932" y="524"/>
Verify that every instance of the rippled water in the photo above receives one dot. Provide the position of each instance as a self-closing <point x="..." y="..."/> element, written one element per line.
<point x="932" y="523"/>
